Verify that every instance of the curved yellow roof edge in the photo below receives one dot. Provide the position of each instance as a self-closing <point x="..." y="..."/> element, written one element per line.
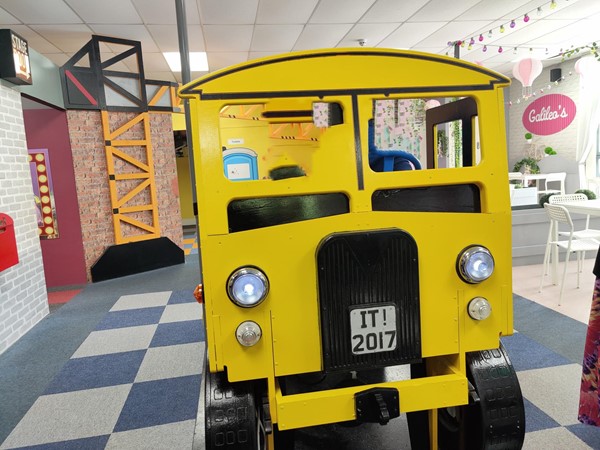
<point x="188" y="90"/>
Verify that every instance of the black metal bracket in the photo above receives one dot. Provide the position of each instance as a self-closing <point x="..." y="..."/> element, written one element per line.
<point x="473" y="396"/>
<point x="377" y="405"/>
<point x="265" y="415"/>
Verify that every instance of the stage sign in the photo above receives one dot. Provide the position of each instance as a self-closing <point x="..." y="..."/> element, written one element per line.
<point x="14" y="58"/>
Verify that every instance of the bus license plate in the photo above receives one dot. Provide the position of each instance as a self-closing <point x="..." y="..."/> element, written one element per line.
<point x="373" y="329"/>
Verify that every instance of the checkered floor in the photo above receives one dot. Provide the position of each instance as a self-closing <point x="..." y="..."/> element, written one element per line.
<point x="134" y="382"/>
<point x="550" y="385"/>
<point x="190" y="242"/>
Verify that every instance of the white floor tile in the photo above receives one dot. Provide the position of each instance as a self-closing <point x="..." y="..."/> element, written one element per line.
<point x="171" y="361"/>
<point x="172" y="436"/>
<point x="136" y="301"/>
<point x="554" y="439"/>
<point x="71" y="415"/>
<point x="181" y="312"/>
<point x="554" y="390"/>
<point x="116" y="340"/>
<point x="576" y="301"/>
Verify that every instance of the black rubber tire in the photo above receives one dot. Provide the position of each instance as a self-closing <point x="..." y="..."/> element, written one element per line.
<point x="495" y="422"/>
<point x="230" y="414"/>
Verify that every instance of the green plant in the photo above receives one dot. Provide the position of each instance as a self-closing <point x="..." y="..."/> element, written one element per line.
<point x="549" y="151"/>
<point x="592" y="48"/>
<point x="589" y="194"/>
<point x="456" y="132"/>
<point x="529" y="164"/>
<point x="546" y="198"/>
<point x="442" y="143"/>
<point x="528" y="136"/>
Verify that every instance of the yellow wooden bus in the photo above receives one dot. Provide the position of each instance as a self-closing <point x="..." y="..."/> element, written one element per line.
<point x="355" y="240"/>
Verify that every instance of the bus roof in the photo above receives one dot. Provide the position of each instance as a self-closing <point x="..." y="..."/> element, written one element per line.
<point x="343" y="71"/>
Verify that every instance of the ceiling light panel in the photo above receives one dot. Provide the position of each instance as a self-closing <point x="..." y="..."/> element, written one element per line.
<point x="197" y="60"/>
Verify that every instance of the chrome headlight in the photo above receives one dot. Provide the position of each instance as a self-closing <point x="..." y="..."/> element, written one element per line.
<point x="479" y="308"/>
<point x="475" y="264"/>
<point x="247" y="287"/>
<point x="248" y="333"/>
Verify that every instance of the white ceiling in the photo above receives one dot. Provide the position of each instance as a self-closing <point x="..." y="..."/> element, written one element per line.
<point x="233" y="31"/>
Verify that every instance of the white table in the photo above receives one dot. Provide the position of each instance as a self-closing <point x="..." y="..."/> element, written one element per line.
<point x="525" y="178"/>
<point x="587" y="207"/>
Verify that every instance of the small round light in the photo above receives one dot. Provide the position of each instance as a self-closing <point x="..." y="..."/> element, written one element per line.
<point x="475" y="264"/>
<point x="248" y="333"/>
<point x="247" y="287"/>
<point x="479" y="308"/>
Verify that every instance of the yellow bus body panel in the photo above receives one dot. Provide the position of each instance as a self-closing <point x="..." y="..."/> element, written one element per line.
<point x="289" y="317"/>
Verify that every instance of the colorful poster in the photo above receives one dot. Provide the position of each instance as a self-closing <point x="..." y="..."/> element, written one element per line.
<point x="43" y="193"/>
<point x="400" y="125"/>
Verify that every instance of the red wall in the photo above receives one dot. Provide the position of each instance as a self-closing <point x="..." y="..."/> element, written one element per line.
<point x="64" y="261"/>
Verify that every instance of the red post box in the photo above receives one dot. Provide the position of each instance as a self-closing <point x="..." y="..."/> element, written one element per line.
<point x="8" y="243"/>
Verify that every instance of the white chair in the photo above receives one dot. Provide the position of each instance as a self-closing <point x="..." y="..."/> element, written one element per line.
<point x="587" y="232"/>
<point x="559" y="214"/>
<point x="557" y="181"/>
<point x="593" y="184"/>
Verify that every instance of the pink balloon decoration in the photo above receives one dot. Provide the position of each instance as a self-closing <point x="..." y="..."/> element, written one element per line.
<point x="588" y="69"/>
<point x="526" y="71"/>
<point x="431" y="104"/>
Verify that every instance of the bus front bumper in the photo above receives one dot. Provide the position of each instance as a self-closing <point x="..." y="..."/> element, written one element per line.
<point x="338" y="405"/>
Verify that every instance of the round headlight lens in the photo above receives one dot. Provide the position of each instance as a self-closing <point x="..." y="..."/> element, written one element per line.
<point x="475" y="264"/>
<point x="247" y="287"/>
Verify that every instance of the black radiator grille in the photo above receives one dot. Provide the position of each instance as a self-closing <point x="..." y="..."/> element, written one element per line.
<point x="366" y="269"/>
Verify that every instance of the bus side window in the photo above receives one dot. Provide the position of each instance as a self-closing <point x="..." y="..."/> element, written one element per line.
<point x="457" y="119"/>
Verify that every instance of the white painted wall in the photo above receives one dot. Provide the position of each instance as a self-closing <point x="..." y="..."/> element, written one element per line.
<point x="23" y="297"/>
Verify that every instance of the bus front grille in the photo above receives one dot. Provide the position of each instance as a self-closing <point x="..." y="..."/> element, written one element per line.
<point x="368" y="270"/>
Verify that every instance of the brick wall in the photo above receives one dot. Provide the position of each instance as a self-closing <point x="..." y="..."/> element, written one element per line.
<point x="89" y="160"/>
<point x="91" y="180"/>
<point x="563" y="142"/>
<point x="165" y="171"/>
<point x="23" y="297"/>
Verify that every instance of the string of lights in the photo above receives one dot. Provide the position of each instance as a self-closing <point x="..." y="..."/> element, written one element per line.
<point x="479" y="39"/>
<point x="540" y="91"/>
